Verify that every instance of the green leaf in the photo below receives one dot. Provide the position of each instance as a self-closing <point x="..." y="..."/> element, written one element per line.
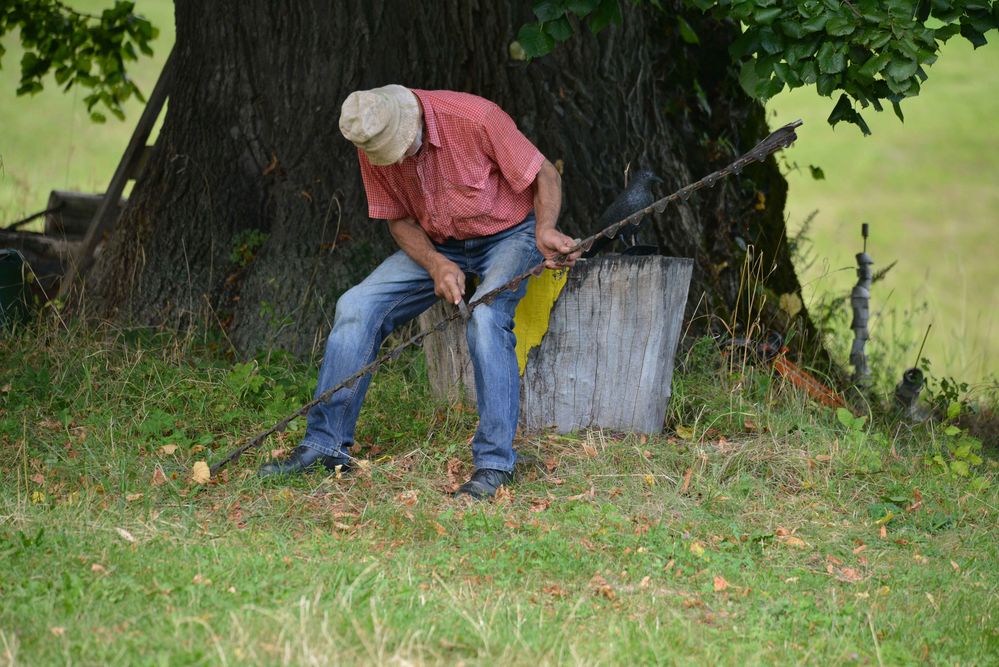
<point x="874" y="65"/>
<point x="98" y="117"/>
<point x="771" y="41"/>
<point x="560" y="29"/>
<point x="960" y="468"/>
<point x="900" y="69"/>
<point x="748" y="78"/>
<point x="582" y="8"/>
<point x="839" y="26"/>
<point x="766" y="15"/>
<point x="951" y="430"/>
<point x="831" y="58"/>
<point x="687" y="33"/>
<point x="815" y="24"/>
<point x="816" y="172"/>
<point x="953" y="409"/>
<point x="607" y="12"/>
<point x="844" y="111"/>
<point x="844" y="416"/>
<point x="547" y="10"/>
<point x="535" y="41"/>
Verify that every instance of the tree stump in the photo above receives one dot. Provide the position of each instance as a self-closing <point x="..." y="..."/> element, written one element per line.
<point x="606" y="360"/>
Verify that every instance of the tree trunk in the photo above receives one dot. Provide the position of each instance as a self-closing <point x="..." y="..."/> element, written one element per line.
<point x="251" y="208"/>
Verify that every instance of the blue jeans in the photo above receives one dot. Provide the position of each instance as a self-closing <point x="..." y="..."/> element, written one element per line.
<point x="399" y="290"/>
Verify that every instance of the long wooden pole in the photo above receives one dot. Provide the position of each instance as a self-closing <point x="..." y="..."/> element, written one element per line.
<point x="107" y="212"/>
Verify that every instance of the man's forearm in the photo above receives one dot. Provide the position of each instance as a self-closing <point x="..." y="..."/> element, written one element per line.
<point x="414" y="242"/>
<point x="547" y="197"/>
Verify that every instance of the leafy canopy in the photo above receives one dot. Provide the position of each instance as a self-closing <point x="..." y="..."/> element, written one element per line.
<point x="871" y="52"/>
<point x="85" y="49"/>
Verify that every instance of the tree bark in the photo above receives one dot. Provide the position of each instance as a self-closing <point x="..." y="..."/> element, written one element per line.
<point x="251" y="209"/>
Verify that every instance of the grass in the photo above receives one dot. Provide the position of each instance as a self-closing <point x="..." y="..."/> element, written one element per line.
<point x="927" y="187"/>
<point x="764" y="531"/>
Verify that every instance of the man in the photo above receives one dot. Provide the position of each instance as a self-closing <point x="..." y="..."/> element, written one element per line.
<point x="463" y="192"/>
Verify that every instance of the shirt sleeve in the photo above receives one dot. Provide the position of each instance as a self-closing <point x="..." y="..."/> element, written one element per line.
<point x="382" y="202"/>
<point x="517" y="158"/>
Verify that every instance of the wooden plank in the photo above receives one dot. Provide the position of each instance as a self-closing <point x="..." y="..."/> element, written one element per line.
<point x="71" y="213"/>
<point x="607" y="359"/>
<point x="107" y="213"/>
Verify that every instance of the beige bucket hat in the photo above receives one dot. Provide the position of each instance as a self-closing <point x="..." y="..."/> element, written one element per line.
<point x="382" y="122"/>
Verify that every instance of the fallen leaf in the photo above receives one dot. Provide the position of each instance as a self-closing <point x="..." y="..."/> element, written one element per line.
<point x="551" y="463"/>
<point x="504" y="495"/>
<point x="720" y="584"/>
<point x="684" y="432"/>
<point x="4" y="389"/>
<point x="860" y="548"/>
<point x="201" y="580"/>
<point x="790" y="303"/>
<point x="686" y="480"/>
<point x="56" y="630"/>
<point x="408" y="498"/>
<point x="280" y="453"/>
<point x="849" y="575"/>
<point x="158" y="477"/>
<point x="441" y="530"/>
<point x="197" y="449"/>
<point x="650" y="480"/>
<point x="795" y="542"/>
<point x="750" y="425"/>
<point x="584" y="495"/>
<point x="98" y="568"/>
<point x="37" y="497"/>
<point x="883" y="532"/>
<point x="555" y="590"/>
<point x="957" y="568"/>
<point x="38" y="479"/>
<point x="646" y="582"/>
<point x="167" y="450"/>
<point x="591" y="451"/>
<point x="697" y="548"/>
<point x="601" y="587"/>
<point x="132" y="496"/>
<point x="200" y="474"/>
<point x="540" y="504"/>
<point x="125" y="535"/>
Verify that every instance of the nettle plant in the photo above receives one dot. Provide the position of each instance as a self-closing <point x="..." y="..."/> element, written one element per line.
<point x="872" y="53"/>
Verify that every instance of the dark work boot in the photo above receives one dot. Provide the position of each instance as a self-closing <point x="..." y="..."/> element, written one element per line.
<point x="484" y="483"/>
<point x="303" y="458"/>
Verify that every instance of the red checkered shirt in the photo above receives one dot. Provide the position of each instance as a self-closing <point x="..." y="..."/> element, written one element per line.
<point x="470" y="178"/>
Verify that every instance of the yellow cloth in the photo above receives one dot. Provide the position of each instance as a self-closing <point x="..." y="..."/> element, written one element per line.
<point x="533" y="311"/>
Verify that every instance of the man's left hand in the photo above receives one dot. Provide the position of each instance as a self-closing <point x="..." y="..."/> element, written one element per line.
<point x="552" y="243"/>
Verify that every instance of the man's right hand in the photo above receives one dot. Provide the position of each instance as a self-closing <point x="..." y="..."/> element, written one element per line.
<point x="449" y="280"/>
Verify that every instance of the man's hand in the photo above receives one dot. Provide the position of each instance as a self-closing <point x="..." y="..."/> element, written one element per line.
<point x="449" y="280"/>
<point x="552" y="242"/>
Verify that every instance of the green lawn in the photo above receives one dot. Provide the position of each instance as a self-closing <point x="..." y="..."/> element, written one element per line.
<point x="928" y="188"/>
<point x="770" y="533"/>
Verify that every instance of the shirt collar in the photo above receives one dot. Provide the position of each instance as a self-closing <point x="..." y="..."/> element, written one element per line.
<point x="429" y="118"/>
